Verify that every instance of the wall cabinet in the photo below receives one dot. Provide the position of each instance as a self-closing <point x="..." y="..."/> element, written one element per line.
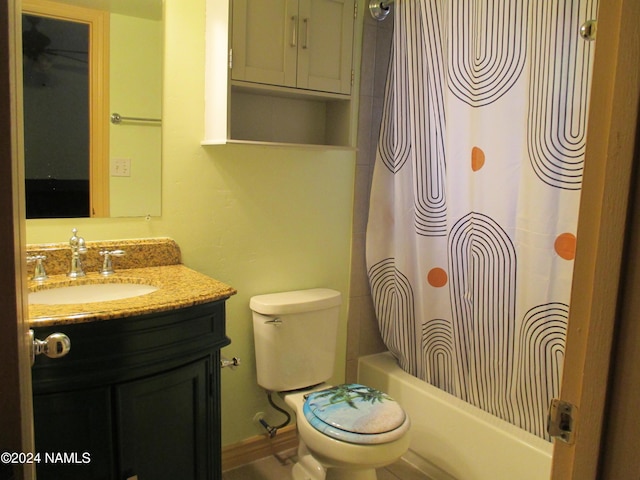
<point x="304" y="44"/>
<point x="134" y="398"/>
<point x="290" y="72"/>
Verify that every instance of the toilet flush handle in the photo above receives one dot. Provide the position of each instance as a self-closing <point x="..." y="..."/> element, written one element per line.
<point x="274" y="321"/>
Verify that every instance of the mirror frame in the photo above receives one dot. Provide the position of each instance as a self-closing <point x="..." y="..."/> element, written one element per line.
<point x="98" y="22"/>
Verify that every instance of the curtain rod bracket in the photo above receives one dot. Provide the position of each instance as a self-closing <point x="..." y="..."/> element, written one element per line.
<point x="379" y="9"/>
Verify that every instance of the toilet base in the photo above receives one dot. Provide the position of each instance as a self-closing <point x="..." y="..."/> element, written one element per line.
<point x="308" y="468"/>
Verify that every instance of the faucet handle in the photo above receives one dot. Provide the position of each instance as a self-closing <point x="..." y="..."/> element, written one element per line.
<point x="39" y="273"/>
<point x="107" y="264"/>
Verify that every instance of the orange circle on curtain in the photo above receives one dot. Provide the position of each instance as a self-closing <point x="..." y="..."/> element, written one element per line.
<point x="477" y="159"/>
<point x="437" y="277"/>
<point x="565" y="246"/>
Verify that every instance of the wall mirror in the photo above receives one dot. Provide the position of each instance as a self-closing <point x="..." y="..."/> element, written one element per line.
<point x="92" y="89"/>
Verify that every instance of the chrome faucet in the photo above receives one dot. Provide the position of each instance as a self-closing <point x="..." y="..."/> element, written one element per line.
<point x="77" y="247"/>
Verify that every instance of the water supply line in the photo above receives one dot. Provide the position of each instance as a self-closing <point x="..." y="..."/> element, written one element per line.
<point x="272" y="430"/>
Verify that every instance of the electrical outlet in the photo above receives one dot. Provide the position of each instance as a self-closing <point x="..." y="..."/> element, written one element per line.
<point x="258" y="416"/>
<point x="121" y="167"/>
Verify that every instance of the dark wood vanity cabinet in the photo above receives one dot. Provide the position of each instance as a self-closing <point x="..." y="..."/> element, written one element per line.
<point x="135" y="398"/>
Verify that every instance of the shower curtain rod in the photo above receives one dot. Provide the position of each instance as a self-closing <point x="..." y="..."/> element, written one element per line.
<point x="379" y="9"/>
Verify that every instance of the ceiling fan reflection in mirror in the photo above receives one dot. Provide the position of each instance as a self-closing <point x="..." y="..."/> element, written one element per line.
<point x="36" y="46"/>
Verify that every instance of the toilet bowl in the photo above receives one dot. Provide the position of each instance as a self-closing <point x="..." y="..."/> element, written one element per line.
<point x="321" y="455"/>
<point x="345" y="432"/>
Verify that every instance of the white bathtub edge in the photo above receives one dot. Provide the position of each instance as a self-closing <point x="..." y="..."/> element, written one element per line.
<point x="455" y="437"/>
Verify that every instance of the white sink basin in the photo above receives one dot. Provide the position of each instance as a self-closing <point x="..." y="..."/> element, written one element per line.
<point x="95" y="292"/>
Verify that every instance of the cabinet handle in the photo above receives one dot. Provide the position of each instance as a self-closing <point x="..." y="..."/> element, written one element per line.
<point x="305" y="43"/>
<point x="294" y="31"/>
<point x="55" y="345"/>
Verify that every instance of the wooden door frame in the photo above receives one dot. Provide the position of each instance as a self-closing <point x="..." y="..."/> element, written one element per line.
<point x="601" y="233"/>
<point x="97" y="22"/>
<point x="621" y="435"/>
<point x="609" y="160"/>
<point x="16" y="413"/>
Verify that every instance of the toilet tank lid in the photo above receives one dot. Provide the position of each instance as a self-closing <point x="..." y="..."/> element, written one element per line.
<point x="298" y="301"/>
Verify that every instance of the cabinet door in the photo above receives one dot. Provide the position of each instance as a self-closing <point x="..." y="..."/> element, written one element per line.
<point x="264" y="39"/>
<point x="164" y="425"/>
<point x="326" y="45"/>
<point x="73" y="435"/>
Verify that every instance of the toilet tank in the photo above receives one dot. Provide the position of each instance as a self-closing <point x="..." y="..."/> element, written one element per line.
<point x="295" y="336"/>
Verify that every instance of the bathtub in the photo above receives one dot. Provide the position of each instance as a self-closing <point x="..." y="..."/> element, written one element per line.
<point x="451" y="439"/>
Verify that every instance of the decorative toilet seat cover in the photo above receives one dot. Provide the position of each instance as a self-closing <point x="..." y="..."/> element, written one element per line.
<point x="356" y="414"/>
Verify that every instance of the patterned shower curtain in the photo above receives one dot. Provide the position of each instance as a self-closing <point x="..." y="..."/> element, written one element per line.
<point x="474" y="201"/>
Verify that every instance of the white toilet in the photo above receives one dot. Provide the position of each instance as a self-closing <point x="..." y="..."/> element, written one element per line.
<point x="346" y="431"/>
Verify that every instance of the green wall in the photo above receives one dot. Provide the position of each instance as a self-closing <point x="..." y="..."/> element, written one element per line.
<point x="260" y="218"/>
<point x="135" y="90"/>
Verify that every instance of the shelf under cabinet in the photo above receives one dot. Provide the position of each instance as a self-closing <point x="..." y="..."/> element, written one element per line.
<point x="262" y="115"/>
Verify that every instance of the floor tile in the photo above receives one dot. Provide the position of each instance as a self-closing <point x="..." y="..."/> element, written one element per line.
<point x="279" y="468"/>
<point x="269" y="468"/>
<point x="405" y="471"/>
<point x="384" y="474"/>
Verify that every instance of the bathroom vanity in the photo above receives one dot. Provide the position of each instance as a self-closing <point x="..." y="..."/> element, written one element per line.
<point x="138" y="394"/>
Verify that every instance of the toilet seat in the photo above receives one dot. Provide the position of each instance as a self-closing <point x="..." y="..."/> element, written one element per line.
<point x="356" y="413"/>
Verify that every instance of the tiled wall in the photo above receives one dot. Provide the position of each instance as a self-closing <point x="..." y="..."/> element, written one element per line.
<point x="363" y="337"/>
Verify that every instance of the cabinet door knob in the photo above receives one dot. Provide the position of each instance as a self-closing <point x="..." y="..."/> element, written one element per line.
<point x="55" y="345"/>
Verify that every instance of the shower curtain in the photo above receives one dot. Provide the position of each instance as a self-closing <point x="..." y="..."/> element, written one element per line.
<point x="475" y="193"/>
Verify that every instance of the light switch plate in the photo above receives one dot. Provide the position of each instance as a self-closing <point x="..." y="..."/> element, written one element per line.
<point x="120" y="167"/>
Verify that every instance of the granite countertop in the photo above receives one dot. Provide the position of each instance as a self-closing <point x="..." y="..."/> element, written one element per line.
<point x="178" y="285"/>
